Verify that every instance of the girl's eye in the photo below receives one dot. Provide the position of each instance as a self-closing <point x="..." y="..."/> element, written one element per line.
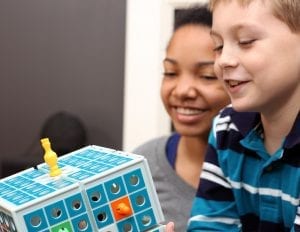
<point x="210" y="77"/>
<point x="170" y="74"/>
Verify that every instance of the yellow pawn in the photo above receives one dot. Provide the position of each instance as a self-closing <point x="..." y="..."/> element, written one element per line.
<point x="50" y="158"/>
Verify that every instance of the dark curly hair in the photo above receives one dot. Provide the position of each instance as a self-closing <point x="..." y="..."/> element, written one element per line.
<point x="199" y="15"/>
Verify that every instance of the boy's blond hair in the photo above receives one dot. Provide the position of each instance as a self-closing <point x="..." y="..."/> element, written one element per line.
<point x="287" y="11"/>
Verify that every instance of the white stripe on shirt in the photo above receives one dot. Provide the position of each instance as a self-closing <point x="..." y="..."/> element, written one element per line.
<point x="265" y="191"/>
<point x="214" y="178"/>
<point x="213" y="169"/>
<point x="225" y="220"/>
<point x="297" y="220"/>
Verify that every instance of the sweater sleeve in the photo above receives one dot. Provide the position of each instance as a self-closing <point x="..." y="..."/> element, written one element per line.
<point x="214" y="207"/>
<point x="296" y="227"/>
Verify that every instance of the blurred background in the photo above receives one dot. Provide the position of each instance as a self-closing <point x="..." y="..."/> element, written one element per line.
<point x="98" y="61"/>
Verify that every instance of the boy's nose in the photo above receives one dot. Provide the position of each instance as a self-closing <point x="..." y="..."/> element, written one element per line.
<point x="226" y="59"/>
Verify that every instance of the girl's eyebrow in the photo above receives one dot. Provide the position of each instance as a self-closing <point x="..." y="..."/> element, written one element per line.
<point x="170" y="60"/>
<point x="205" y="63"/>
<point x="198" y="64"/>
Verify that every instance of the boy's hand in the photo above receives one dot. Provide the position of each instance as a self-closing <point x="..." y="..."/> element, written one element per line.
<point x="170" y="227"/>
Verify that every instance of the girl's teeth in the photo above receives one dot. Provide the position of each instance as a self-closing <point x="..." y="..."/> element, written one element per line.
<point x="188" y="111"/>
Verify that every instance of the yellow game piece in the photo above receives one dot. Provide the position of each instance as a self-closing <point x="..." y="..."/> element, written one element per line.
<point x="50" y="158"/>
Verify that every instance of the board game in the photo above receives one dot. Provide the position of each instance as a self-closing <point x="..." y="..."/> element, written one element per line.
<point x="93" y="189"/>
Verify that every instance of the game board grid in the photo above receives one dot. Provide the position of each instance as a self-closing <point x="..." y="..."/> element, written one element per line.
<point x="24" y="188"/>
<point x="79" y="166"/>
<point x="21" y="189"/>
<point x="132" y="191"/>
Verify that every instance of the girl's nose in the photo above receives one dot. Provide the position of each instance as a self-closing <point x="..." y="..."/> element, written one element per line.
<point x="186" y="87"/>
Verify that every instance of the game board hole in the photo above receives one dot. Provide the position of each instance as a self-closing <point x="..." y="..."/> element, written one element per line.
<point x="82" y="225"/>
<point x="140" y="200"/>
<point x="56" y="212"/>
<point x="63" y="229"/>
<point x="95" y="196"/>
<point x="146" y="220"/>
<point x="134" y="180"/>
<point x="76" y="204"/>
<point x="115" y="188"/>
<point x="127" y="227"/>
<point x="101" y="216"/>
<point x="35" y="221"/>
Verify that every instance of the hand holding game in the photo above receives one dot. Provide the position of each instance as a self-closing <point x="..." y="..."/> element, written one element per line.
<point x="170" y="227"/>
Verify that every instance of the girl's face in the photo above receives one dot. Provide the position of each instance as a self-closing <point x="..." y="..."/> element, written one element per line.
<point x="191" y="93"/>
<point x="257" y="56"/>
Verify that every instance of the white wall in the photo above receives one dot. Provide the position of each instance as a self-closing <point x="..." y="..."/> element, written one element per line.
<point x="149" y="25"/>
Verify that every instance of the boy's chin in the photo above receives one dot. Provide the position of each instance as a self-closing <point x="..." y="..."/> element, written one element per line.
<point x="242" y="107"/>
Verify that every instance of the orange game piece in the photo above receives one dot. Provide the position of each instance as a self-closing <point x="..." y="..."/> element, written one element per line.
<point x="121" y="208"/>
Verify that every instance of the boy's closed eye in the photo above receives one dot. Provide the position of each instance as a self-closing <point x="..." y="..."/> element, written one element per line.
<point x="218" y="41"/>
<point x="247" y="42"/>
<point x="218" y="48"/>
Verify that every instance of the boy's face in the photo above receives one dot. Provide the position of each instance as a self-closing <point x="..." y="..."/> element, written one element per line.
<point x="257" y="56"/>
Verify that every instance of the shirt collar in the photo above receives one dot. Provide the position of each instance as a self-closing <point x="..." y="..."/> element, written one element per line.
<point x="293" y="137"/>
<point x="246" y="121"/>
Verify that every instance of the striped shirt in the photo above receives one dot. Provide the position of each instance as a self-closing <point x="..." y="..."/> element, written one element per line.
<point x="243" y="188"/>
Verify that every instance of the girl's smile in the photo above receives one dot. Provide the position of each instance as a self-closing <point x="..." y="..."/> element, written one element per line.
<point x="189" y="115"/>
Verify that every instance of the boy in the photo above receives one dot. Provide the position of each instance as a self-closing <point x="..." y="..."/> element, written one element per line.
<point x="251" y="177"/>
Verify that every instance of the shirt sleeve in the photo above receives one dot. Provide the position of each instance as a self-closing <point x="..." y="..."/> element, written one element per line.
<point x="214" y="207"/>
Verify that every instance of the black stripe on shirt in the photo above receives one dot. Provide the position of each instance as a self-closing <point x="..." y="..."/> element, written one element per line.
<point x="252" y="223"/>
<point x="212" y="191"/>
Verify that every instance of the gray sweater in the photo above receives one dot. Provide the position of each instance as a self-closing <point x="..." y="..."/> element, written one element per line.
<point x="174" y="194"/>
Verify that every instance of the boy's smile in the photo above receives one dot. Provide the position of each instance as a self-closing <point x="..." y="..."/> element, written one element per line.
<point x="247" y="45"/>
<point x="234" y="85"/>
